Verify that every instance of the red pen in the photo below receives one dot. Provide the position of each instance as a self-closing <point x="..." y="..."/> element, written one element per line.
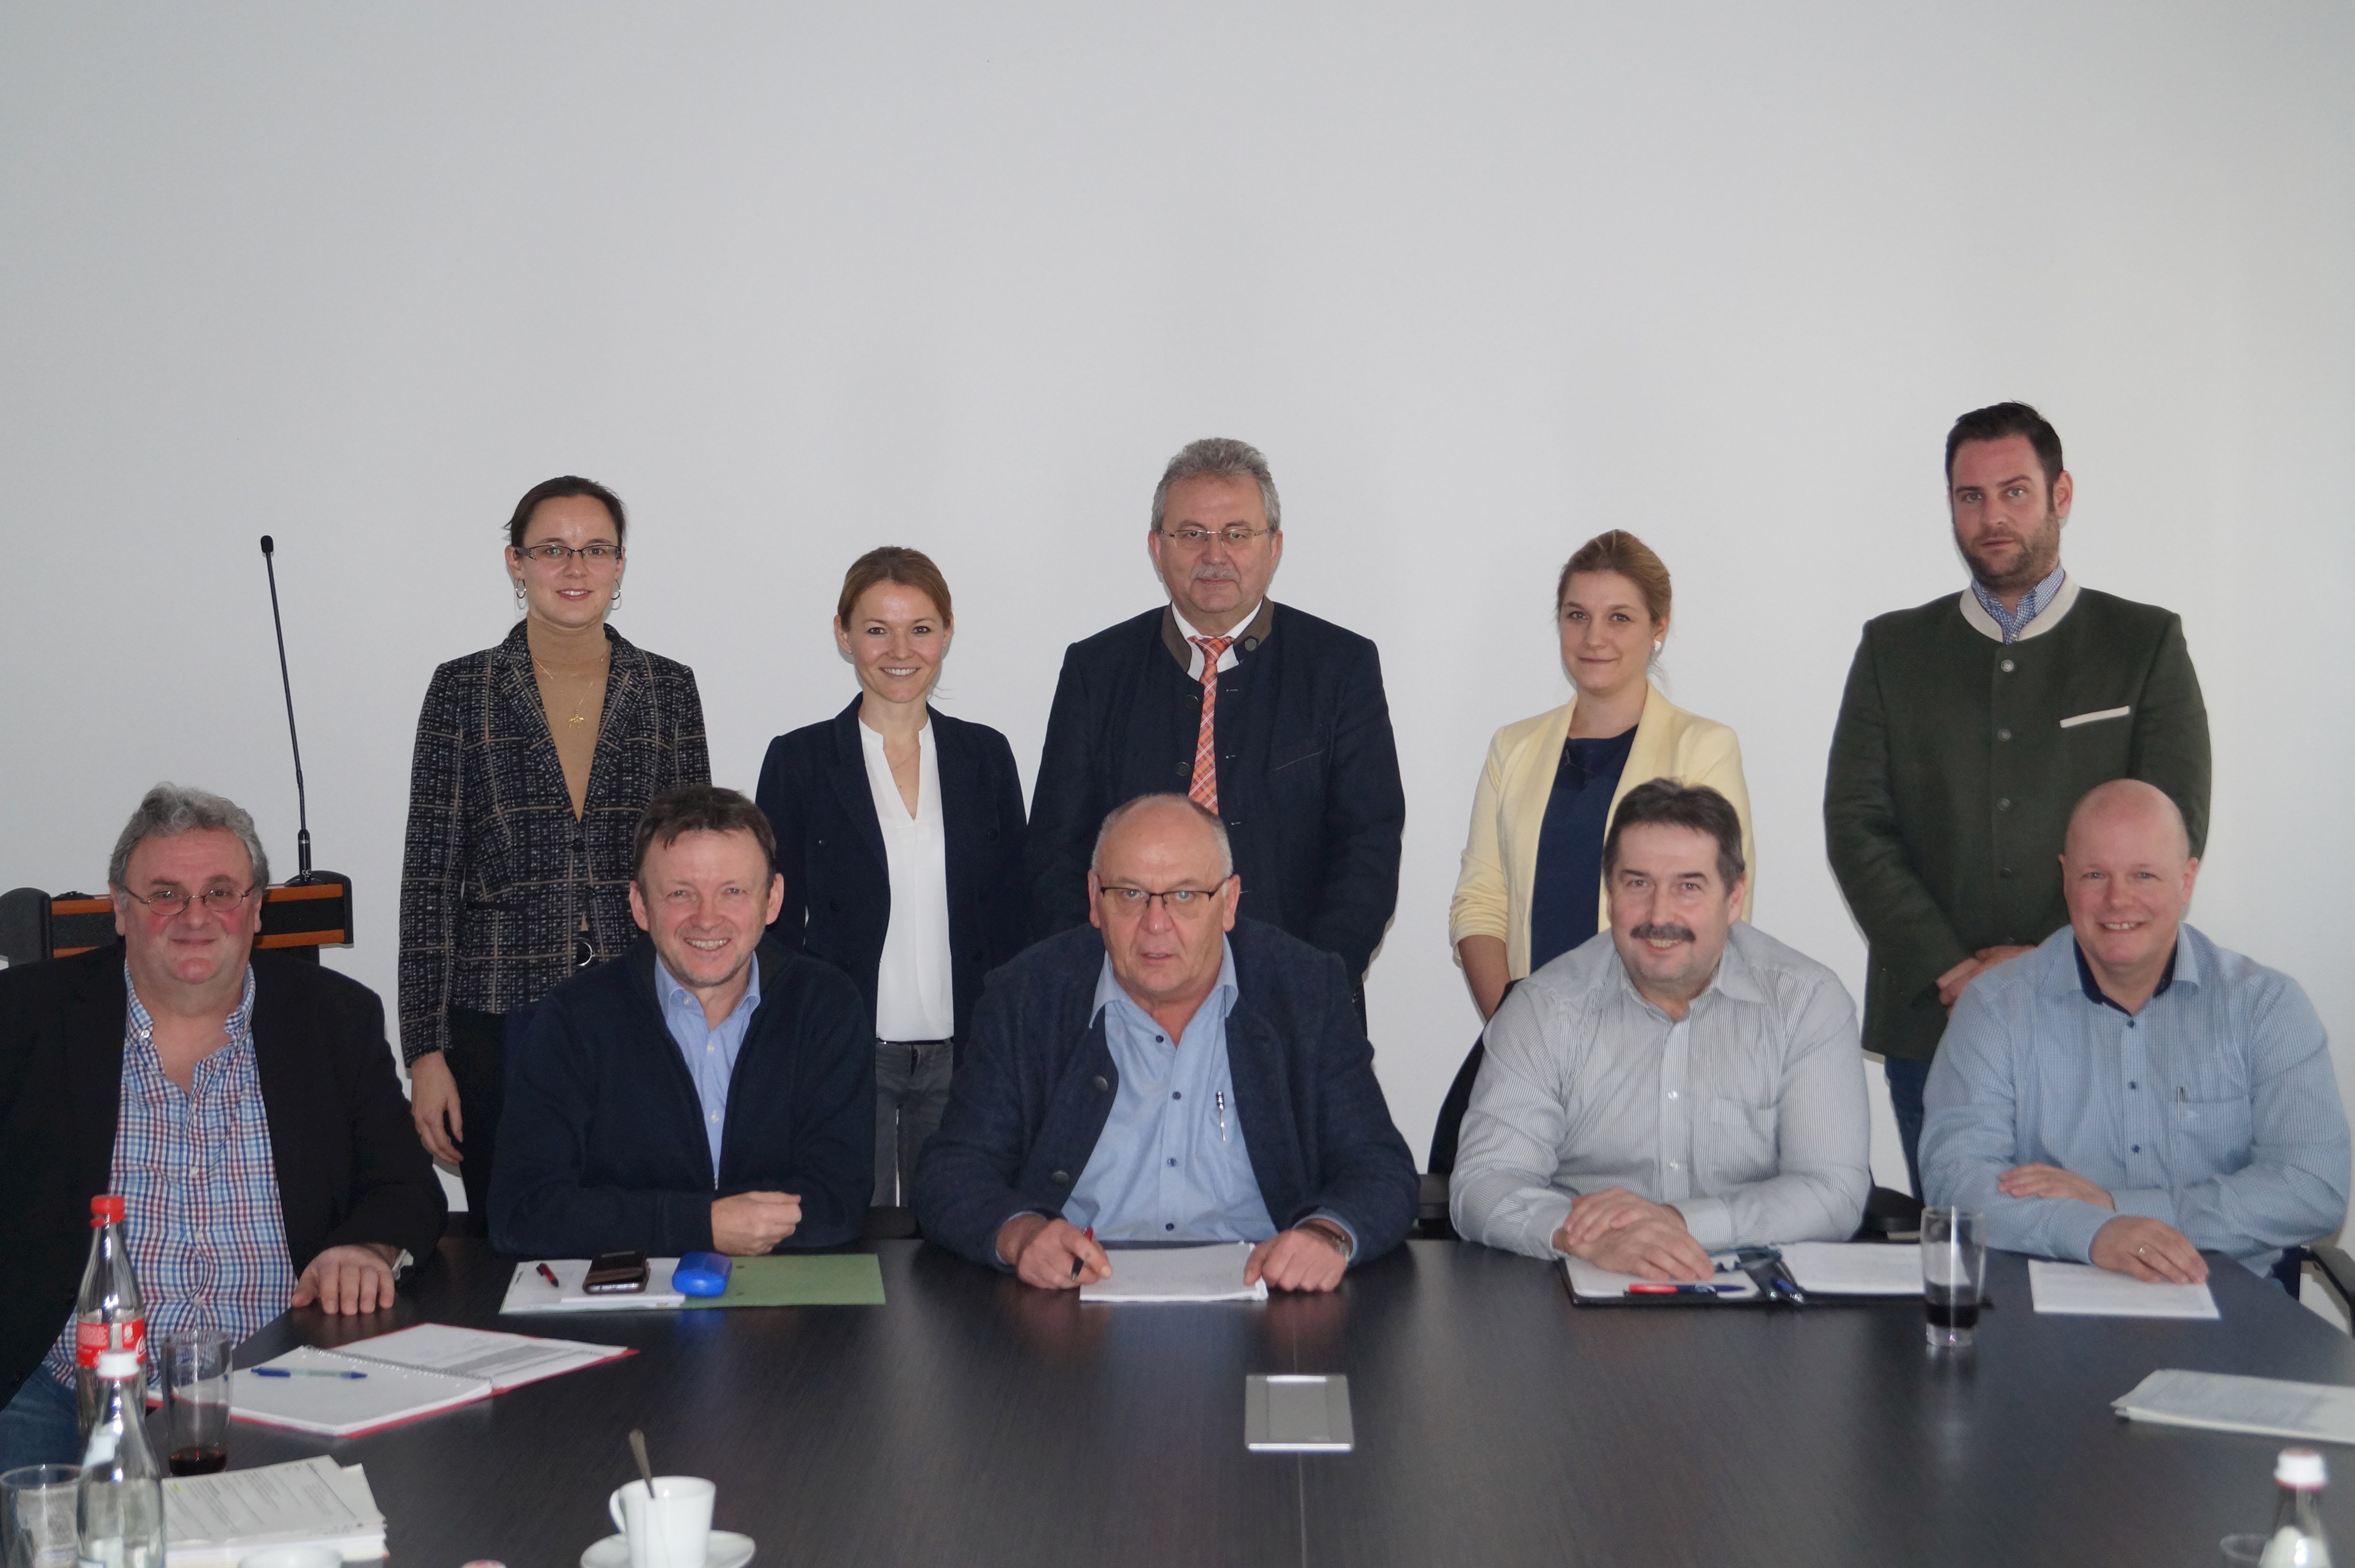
<point x="548" y="1273"/>
<point x="1090" y="1234"/>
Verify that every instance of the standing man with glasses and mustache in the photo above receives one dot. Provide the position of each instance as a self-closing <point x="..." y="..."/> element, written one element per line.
<point x="1268" y="717"/>
<point x="242" y="1104"/>
<point x="1970" y="727"/>
<point x="1687" y="1086"/>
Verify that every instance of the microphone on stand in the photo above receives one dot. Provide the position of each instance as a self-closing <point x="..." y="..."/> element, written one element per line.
<point x="301" y="877"/>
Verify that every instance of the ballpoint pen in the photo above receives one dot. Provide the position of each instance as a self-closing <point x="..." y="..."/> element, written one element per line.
<point x="1219" y="1100"/>
<point x="1091" y="1233"/>
<point x="549" y="1274"/>
<point x="304" y="1372"/>
<point x="1653" y="1287"/>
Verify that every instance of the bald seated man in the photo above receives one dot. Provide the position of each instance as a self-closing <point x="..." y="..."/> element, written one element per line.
<point x="1168" y="1073"/>
<point x="2132" y="1094"/>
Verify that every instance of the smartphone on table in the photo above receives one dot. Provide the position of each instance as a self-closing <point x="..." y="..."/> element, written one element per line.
<point x="616" y="1273"/>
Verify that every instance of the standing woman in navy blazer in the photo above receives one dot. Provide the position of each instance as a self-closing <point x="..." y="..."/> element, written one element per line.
<point x="899" y="838"/>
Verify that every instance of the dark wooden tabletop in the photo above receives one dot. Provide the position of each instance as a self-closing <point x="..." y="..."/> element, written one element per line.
<point x="973" y="1420"/>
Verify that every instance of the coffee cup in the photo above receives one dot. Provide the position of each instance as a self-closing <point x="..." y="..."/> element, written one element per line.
<point x="671" y="1527"/>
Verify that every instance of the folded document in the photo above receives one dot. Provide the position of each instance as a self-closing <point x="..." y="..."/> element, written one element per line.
<point x="2219" y="1401"/>
<point x="216" y="1521"/>
<point x="1214" y="1273"/>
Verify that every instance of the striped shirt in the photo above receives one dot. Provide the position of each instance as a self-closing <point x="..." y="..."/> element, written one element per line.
<point x="200" y="1187"/>
<point x="2033" y="603"/>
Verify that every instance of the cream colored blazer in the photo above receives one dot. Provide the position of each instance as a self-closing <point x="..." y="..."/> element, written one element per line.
<point x="1498" y="879"/>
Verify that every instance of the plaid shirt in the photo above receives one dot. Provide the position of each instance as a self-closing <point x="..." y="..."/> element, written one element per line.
<point x="200" y="1187"/>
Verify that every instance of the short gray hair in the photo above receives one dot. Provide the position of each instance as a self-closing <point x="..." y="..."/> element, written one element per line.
<point x="169" y="810"/>
<point x="1122" y="812"/>
<point x="1228" y="458"/>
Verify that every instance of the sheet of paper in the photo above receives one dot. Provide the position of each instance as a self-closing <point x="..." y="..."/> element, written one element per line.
<point x="1854" y="1268"/>
<point x="528" y="1292"/>
<point x="1592" y="1282"/>
<point x="2083" y="1291"/>
<point x="382" y="1395"/>
<point x="2222" y="1402"/>
<point x="1214" y="1273"/>
<point x="308" y="1499"/>
<point x="504" y="1361"/>
<point x="824" y="1279"/>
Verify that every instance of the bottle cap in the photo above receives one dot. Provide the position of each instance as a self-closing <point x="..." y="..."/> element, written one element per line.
<point x="106" y="1206"/>
<point x="125" y="1364"/>
<point x="2301" y="1469"/>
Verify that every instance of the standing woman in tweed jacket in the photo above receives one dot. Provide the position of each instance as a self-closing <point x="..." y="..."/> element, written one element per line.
<point x="534" y="761"/>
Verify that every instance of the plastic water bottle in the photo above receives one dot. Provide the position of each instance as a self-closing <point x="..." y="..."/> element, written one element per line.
<point x="119" y="1502"/>
<point x="110" y="1314"/>
<point x="2297" y="1540"/>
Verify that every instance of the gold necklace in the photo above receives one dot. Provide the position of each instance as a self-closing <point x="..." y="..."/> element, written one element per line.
<point x="581" y="703"/>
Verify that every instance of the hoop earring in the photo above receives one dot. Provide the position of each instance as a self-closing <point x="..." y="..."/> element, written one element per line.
<point x="518" y="588"/>
<point x="615" y="602"/>
<point x="1658" y="643"/>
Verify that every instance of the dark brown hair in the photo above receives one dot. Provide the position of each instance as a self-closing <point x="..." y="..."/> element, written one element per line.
<point x="2000" y="419"/>
<point x="1631" y="557"/>
<point x="894" y="563"/>
<point x="1674" y="805"/>
<point x="565" y="484"/>
<point x="700" y="808"/>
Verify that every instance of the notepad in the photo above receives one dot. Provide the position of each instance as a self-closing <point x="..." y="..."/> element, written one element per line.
<point x="504" y="1361"/>
<point x="214" y="1521"/>
<point x="1592" y="1282"/>
<point x="1853" y="1268"/>
<point x="385" y="1395"/>
<point x="528" y="1292"/>
<point x="2217" y="1401"/>
<point x="2082" y="1290"/>
<point x="1214" y="1272"/>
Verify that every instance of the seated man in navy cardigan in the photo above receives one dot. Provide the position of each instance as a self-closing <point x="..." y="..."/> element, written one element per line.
<point x="1186" y="1077"/>
<point x="708" y="1090"/>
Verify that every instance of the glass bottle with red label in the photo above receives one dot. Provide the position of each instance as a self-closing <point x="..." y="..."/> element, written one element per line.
<point x="110" y="1315"/>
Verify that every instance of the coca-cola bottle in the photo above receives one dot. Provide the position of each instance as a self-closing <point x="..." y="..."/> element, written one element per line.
<point x="110" y="1314"/>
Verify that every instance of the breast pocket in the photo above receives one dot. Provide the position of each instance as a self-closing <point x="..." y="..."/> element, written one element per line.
<point x="1740" y="1147"/>
<point x="2220" y="1130"/>
<point x="1298" y="770"/>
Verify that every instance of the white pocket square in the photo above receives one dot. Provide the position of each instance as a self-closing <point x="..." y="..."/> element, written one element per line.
<point x="2095" y="718"/>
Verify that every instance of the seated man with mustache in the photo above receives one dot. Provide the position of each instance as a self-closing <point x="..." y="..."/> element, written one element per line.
<point x="1684" y="1084"/>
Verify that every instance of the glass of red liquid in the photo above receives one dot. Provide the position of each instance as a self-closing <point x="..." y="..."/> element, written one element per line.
<point x="1954" y="1271"/>
<point x="193" y="1366"/>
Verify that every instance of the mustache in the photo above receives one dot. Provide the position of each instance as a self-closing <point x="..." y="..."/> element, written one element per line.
<point x="1216" y="574"/>
<point x="1657" y="931"/>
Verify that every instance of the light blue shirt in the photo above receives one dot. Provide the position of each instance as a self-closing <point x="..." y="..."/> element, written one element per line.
<point x="2214" y="1109"/>
<point x="2031" y="604"/>
<point x="710" y="1053"/>
<point x="1171" y="1164"/>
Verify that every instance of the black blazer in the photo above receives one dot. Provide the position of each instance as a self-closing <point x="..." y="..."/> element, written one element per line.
<point x="1029" y="1104"/>
<point x="497" y="872"/>
<point x="1308" y="775"/>
<point x="349" y="1167"/>
<point x="602" y="1140"/>
<point x="830" y="850"/>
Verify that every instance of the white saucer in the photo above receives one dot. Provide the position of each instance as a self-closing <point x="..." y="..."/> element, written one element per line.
<point x="726" y="1548"/>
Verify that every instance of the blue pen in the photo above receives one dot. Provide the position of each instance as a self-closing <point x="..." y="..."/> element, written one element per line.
<point x="304" y="1373"/>
<point x="1649" y="1287"/>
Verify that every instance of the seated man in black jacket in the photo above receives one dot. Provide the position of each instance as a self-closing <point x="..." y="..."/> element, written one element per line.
<point x="708" y="1090"/>
<point x="242" y="1104"/>
<point x="1184" y="1077"/>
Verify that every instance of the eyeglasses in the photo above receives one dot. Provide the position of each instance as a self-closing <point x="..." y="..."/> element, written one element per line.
<point x="1173" y="900"/>
<point x="1236" y="536"/>
<point x="220" y="899"/>
<point x="554" y="554"/>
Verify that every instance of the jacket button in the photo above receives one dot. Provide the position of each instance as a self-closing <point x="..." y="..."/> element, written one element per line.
<point x="2005" y="667"/>
<point x="820" y="843"/>
<point x="991" y="835"/>
<point x="2004" y="873"/>
<point x="1250" y="645"/>
<point x="577" y="845"/>
<point x="1101" y="1085"/>
<point x="2003" y="802"/>
<point x="2003" y="734"/>
<point x="1062" y="1179"/>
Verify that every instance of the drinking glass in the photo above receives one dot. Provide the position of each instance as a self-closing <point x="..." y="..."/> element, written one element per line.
<point x="1954" y="1267"/>
<point x="36" y="1516"/>
<point x="193" y="1365"/>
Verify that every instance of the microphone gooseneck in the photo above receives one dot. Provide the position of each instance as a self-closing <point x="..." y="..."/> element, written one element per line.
<point x="301" y="808"/>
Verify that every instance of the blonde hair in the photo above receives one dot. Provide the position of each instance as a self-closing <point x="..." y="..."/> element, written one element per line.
<point x="1632" y="559"/>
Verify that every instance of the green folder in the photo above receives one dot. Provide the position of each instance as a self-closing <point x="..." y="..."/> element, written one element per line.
<point x="828" y="1279"/>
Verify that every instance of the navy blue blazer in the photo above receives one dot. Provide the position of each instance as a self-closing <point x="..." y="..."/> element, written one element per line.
<point x="838" y="904"/>
<point x="601" y="1141"/>
<point x="1037" y="1083"/>
<point x="1308" y="774"/>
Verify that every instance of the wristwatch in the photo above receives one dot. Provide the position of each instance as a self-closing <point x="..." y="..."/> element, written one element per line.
<point x="1333" y="1233"/>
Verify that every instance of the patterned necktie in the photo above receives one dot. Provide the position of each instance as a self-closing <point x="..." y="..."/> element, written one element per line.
<point x="1204" y="789"/>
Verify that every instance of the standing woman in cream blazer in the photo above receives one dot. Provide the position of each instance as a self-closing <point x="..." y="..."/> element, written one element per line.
<point x="1531" y="888"/>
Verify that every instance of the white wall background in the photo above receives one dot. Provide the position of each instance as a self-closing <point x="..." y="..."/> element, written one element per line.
<point x="1483" y="280"/>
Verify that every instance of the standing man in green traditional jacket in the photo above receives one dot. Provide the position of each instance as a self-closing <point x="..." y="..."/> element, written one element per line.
<point x="1970" y="728"/>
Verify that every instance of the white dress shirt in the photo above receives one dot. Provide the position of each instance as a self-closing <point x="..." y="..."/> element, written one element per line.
<point x="915" y="995"/>
<point x="1226" y="660"/>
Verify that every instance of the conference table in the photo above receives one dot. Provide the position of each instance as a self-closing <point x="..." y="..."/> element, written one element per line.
<point x="973" y="1420"/>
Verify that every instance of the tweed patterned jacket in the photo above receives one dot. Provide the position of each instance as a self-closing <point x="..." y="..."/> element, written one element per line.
<point x="496" y="874"/>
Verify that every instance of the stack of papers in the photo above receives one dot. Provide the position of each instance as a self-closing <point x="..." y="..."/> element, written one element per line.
<point x="1853" y="1268"/>
<point x="1178" y="1273"/>
<point x="818" y="1279"/>
<point x="528" y="1292"/>
<point x="2266" y="1406"/>
<point x="214" y="1521"/>
<point x="400" y="1377"/>
<point x="1592" y="1282"/>
<point x="2083" y="1291"/>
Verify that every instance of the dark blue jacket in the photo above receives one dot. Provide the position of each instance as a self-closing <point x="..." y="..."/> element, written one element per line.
<point x="601" y="1145"/>
<point x="1308" y="774"/>
<point x="1038" y="1082"/>
<point x="837" y="905"/>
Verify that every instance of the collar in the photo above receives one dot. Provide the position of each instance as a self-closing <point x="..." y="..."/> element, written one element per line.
<point x="1109" y="989"/>
<point x="238" y="1027"/>
<point x="1734" y="978"/>
<point x="2049" y="612"/>
<point x="2166" y="976"/>
<point x="1248" y="636"/>
<point x="671" y="993"/>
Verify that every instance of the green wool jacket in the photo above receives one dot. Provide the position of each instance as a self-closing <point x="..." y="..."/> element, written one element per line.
<point x="1956" y="763"/>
